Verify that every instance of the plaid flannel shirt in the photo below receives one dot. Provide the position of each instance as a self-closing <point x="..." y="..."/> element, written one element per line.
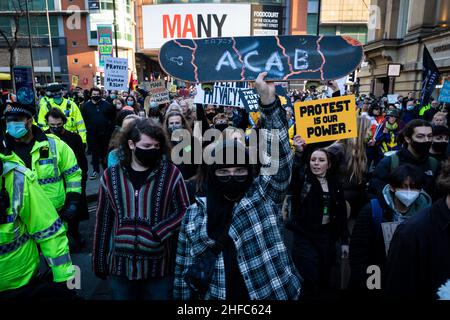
<point x="265" y="264"/>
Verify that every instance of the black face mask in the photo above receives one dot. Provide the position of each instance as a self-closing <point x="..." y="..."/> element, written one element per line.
<point x="440" y="147"/>
<point x="96" y="98"/>
<point x="234" y="188"/>
<point x="147" y="157"/>
<point x="57" y="130"/>
<point x="211" y="115"/>
<point x="421" y="148"/>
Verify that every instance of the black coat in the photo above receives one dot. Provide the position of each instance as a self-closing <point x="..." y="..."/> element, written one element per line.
<point x="367" y="246"/>
<point x="308" y="212"/>
<point x="419" y="255"/>
<point x="73" y="140"/>
<point x="99" y="118"/>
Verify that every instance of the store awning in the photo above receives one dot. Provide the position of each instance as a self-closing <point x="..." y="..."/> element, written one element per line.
<point x="5" y="76"/>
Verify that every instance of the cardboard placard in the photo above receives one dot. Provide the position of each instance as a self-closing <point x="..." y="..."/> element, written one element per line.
<point x="392" y="98"/>
<point x="249" y="98"/>
<point x="326" y="119"/>
<point x="116" y="73"/>
<point x="157" y="90"/>
<point x="388" y="232"/>
<point x="221" y="93"/>
<point x="444" y="96"/>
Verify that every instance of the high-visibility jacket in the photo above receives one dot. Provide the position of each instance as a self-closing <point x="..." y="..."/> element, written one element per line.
<point x="31" y="220"/>
<point x="423" y="109"/>
<point x="54" y="164"/>
<point x="75" y="122"/>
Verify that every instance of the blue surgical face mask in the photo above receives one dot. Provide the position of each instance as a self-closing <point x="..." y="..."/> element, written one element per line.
<point x="130" y="103"/>
<point x="57" y="99"/>
<point x="113" y="96"/>
<point x="153" y="104"/>
<point x="410" y="108"/>
<point x="16" y="129"/>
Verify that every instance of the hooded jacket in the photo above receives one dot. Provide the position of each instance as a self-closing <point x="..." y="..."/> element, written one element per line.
<point x="367" y="243"/>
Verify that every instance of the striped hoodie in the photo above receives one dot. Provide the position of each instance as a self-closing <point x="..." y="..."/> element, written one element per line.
<point x="136" y="231"/>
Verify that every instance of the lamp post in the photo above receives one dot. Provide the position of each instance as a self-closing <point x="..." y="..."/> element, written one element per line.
<point x="52" y="69"/>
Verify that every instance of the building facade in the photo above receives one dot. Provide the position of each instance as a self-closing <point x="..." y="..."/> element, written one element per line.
<point x="398" y="32"/>
<point x="73" y="33"/>
<point x="161" y="20"/>
<point x="13" y="17"/>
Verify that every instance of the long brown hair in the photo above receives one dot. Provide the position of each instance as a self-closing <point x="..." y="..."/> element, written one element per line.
<point x="355" y="151"/>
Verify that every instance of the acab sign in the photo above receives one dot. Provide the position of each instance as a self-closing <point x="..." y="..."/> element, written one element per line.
<point x="162" y="23"/>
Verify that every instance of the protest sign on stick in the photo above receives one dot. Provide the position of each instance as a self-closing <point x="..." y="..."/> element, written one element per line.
<point x="116" y="73"/>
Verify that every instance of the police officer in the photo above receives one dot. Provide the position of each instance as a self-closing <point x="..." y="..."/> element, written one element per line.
<point x="28" y="220"/>
<point x="75" y="122"/>
<point x="47" y="156"/>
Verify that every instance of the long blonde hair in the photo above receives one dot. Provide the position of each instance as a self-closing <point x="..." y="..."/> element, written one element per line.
<point x="355" y="151"/>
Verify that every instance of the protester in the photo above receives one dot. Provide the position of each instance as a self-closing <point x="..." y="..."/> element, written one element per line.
<point x="439" y="145"/>
<point x="419" y="259"/>
<point x="386" y="135"/>
<point x="402" y="198"/>
<point x="319" y="221"/>
<point x="439" y="119"/>
<point x="143" y="198"/>
<point x="225" y="229"/>
<point x="114" y="143"/>
<point x="411" y="112"/>
<point x="429" y="114"/>
<point x="417" y="137"/>
<point x="185" y="161"/>
<point x="99" y="116"/>
<point x="351" y="159"/>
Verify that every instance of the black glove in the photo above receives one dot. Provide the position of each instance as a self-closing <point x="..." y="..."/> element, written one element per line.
<point x="70" y="210"/>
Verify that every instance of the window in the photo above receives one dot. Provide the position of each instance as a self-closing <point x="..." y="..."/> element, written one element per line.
<point x="311" y="25"/>
<point x="94" y="34"/>
<point x="357" y="32"/>
<point x="74" y="43"/>
<point x="75" y="60"/>
<point x="328" y="30"/>
<point x="38" y="26"/>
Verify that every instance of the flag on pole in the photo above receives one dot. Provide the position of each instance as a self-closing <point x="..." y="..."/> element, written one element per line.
<point x="430" y="76"/>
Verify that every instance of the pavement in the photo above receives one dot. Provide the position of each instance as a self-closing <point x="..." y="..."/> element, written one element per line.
<point x="91" y="287"/>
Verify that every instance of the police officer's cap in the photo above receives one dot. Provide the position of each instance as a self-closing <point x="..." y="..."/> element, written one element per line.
<point x="55" y="87"/>
<point x="21" y="109"/>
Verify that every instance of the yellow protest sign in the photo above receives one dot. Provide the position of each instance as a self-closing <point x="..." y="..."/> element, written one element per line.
<point x="326" y="119"/>
<point x="74" y="80"/>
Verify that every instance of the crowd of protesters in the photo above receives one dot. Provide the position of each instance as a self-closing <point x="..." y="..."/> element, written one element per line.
<point x="167" y="228"/>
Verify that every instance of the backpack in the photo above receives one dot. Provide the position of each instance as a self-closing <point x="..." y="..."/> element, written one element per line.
<point x="395" y="161"/>
<point x="377" y="212"/>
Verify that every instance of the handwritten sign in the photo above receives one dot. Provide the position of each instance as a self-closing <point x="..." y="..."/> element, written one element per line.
<point x="392" y="98"/>
<point x="116" y="73"/>
<point x="444" y="96"/>
<point x="250" y="97"/>
<point x="221" y="93"/>
<point x="388" y="229"/>
<point x="157" y="90"/>
<point x="326" y="119"/>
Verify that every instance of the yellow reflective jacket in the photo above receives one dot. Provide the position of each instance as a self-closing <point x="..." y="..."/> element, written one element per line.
<point x="75" y="122"/>
<point x="54" y="164"/>
<point x="30" y="220"/>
